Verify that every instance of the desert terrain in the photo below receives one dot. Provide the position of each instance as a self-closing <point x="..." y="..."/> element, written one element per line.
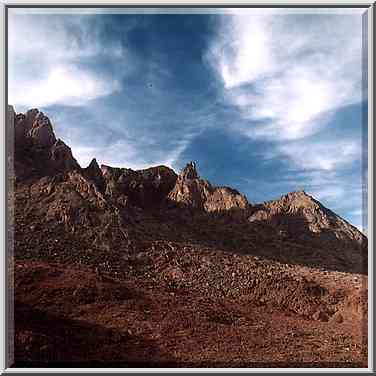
<point x="155" y="268"/>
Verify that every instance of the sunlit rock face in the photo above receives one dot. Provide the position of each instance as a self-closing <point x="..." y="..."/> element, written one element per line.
<point x="298" y="215"/>
<point x="198" y="193"/>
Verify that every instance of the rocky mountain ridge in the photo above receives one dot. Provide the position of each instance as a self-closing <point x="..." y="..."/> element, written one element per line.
<point x="162" y="259"/>
<point x="110" y="205"/>
<point x="198" y="193"/>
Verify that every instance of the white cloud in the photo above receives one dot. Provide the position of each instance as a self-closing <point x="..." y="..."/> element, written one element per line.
<point x="64" y="85"/>
<point x="287" y="73"/>
<point x="125" y="154"/>
<point x="108" y="134"/>
<point x="320" y="155"/>
<point x="118" y="154"/>
<point x="328" y="194"/>
<point x="46" y="56"/>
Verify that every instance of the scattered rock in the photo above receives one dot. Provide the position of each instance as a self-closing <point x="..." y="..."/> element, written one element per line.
<point x="337" y="318"/>
<point x="320" y="316"/>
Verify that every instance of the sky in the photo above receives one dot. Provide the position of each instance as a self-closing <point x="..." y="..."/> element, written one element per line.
<point x="266" y="101"/>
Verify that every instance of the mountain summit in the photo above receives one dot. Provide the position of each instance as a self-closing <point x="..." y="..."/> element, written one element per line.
<point x="99" y="193"/>
<point x="308" y="213"/>
<point x="198" y="193"/>
<point x="131" y="266"/>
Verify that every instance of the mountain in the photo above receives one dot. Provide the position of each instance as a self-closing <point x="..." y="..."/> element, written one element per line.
<point x="144" y="188"/>
<point x="298" y="217"/>
<point x="296" y="212"/>
<point x="197" y="193"/>
<point x="151" y="254"/>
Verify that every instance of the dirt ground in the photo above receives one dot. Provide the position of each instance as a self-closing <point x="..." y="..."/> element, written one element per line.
<point x="74" y="316"/>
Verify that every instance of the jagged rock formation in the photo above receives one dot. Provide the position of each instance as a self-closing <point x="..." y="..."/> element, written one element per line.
<point x="198" y="193"/>
<point x="105" y="205"/>
<point x="65" y="203"/>
<point x="144" y="188"/>
<point x="162" y="259"/>
<point x="41" y="131"/>
<point x="37" y="151"/>
<point x="225" y="198"/>
<point x="61" y="157"/>
<point x="94" y="173"/>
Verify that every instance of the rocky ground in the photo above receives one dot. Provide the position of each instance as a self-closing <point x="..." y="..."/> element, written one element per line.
<point x="68" y="315"/>
<point x="115" y="267"/>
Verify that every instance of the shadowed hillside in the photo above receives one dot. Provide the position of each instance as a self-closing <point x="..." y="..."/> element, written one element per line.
<point x="168" y="261"/>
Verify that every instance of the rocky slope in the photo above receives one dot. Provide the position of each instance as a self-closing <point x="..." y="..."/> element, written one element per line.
<point x="298" y="217"/>
<point x="297" y="210"/>
<point x="192" y="254"/>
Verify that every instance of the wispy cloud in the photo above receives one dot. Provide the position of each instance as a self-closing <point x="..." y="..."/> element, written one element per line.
<point x="107" y="98"/>
<point x="63" y="84"/>
<point x="324" y="155"/>
<point x="51" y="60"/>
<point x="127" y="154"/>
<point x="287" y="74"/>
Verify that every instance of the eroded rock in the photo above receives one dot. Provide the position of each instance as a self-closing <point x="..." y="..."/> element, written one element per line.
<point x="198" y="193"/>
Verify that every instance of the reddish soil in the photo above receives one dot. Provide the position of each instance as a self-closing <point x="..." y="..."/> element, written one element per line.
<point x="69" y="316"/>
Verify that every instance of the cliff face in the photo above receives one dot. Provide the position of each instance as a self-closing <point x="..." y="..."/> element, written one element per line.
<point x="144" y="188"/>
<point x="37" y="151"/>
<point x="113" y="209"/>
<point x="192" y="191"/>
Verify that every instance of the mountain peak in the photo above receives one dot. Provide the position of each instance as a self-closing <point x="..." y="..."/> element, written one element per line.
<point x="94" y="173"/>
<point x="36" y="127"/>
<point x="37" y="150"/>
<point x="299" y="198"/>
<point x="192" y="191"/>
<point x="300" y="193"/>
<point x="302" y="216"/>
<point x="93" y="164"/>
<point x="189" y="171"/>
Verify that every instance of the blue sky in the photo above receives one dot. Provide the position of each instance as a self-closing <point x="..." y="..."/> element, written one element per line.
<point x="265" y="101"/>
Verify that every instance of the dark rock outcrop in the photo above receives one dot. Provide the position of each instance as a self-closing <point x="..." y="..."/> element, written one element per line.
<point x="94" y="173"/>
<point x="24" y="123"/>
<point x="144" y="188"/>
<point x="41" y="131"/>
<point x="62" y="158"/>
<point x="37" y="151"/>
